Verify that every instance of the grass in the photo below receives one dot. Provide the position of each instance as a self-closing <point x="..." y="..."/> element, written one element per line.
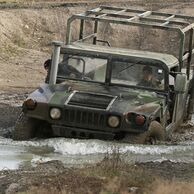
<point x="158" y="187"/>
<point x="171" y="187"/>
<point x="112" y="176"/>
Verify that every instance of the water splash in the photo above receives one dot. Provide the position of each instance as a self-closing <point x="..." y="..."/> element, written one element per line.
<point x="73" y="152"/>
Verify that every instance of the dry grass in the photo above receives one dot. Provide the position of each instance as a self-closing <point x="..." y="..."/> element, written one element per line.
<point x="171" y="187"/>
<point x="111" y="176"/>
<point x="116" y="186"/>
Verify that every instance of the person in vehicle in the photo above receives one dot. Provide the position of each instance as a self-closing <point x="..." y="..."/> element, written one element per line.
<point x="148" y="79"/>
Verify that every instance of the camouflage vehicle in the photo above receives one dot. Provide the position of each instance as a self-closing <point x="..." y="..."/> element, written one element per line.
<point x="95" y="91"/>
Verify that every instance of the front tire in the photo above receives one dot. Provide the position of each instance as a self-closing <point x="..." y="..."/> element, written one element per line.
<point x="155" y="133"/>
<point x="24" y="128"/>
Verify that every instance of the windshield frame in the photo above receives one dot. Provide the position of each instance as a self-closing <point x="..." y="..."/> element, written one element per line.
<point x="112" y="57"/>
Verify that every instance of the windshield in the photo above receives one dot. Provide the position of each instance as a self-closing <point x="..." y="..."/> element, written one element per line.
<point x="82" y="68"/>
<point x="135" y="74"/>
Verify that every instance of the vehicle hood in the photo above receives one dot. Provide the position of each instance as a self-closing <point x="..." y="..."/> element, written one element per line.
<point x="95" y="96"/>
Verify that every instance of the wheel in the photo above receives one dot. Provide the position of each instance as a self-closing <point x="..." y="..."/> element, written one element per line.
<point x="155" y="133"/>
<point x="24" y="128"/>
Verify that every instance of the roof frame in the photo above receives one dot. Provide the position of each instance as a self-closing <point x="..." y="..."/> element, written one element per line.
<point x="181" y="24"/>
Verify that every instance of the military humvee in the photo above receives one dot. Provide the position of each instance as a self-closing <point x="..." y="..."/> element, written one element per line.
<point x="94" y="91"/>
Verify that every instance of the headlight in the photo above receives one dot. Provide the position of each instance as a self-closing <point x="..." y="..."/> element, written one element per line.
<point x="55" y="113"/>
<point x="113" y="121"/>
<point x="140" y="120"/>
<point x="133" y="118"/>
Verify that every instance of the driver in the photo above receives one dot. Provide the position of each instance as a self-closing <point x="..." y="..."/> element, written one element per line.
<point x="148" y="79"/>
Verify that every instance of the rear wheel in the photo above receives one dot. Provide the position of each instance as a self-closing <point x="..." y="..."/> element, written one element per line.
<point x="24" y="128"/>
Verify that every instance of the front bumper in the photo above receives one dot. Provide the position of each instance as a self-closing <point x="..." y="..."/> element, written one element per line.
<point x="73" y="132"/>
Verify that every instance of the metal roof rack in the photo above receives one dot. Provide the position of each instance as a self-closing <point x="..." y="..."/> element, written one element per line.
<point x="182" y="24"/>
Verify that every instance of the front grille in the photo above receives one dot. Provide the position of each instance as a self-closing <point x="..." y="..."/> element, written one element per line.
<point x="84" y="118"/>
<point x="90" y="100"/>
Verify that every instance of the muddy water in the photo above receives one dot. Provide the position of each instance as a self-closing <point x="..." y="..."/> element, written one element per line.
<point x="73" y="152"/>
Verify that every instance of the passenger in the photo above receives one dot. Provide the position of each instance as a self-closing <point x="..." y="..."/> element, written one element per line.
<point x="148" y="79"/>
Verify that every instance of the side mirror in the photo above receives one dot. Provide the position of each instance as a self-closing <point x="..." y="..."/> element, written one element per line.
<point x="180" y="83"/>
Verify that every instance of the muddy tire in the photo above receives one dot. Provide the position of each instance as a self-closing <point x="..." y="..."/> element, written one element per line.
<point x="155" y="133"/>
<point x="24" y="128"/>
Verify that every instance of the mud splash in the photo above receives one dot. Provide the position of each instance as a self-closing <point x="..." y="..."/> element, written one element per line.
<point x="73" y="152"/>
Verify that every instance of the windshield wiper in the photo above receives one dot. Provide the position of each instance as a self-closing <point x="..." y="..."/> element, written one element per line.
<point x="128" y="67"/>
